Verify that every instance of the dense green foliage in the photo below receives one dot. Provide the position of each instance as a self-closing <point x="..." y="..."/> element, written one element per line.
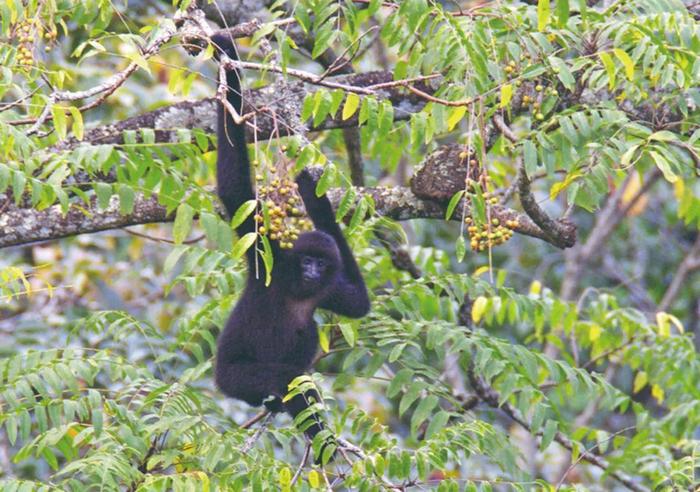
<point x="517" y="367"/>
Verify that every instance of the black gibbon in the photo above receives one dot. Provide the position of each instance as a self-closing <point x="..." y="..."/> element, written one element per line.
<point x="271" y="336"/>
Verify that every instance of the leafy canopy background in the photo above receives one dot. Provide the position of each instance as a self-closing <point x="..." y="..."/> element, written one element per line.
<point x="482" y="366"/>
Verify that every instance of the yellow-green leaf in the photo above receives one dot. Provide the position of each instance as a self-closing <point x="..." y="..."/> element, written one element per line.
<point x="626" y="61"/>
<point x="455" y="117"/>
<point x="478" y="308"/>
<point x="60" y="122"/>
<point x="139" y="60"/>
<point x="594" y="332"/>
<point x="658" y="393"/>
<point x="662" y="322"/>
<point x="285" y="478"/>
<point x="609" y="67"/>
<point x="77" y="126"/>
<point x="506" y="94"/>
<point x="543" y="12"/>
<point x="559" y="187"/>
<point x="323" y="340"/>
<point x="314" y="479"/>
<point x="351" y="104"/>
<point x="640" y="381"/>
<point x="677" y="323"/>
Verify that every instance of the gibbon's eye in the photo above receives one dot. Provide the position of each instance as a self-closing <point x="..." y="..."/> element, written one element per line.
<point x="307" y="261"/>
<point x="321" y="263"/>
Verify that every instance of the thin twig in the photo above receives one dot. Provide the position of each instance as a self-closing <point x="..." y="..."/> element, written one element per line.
<point x="581" y="456"/>
<point x="255" y="419"/>
<point x="163" y="239"/>
<point x="690" y="263"/>
<point x="304" y="458"/>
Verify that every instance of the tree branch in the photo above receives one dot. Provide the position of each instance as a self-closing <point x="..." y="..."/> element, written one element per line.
<point x="20" y="225"/>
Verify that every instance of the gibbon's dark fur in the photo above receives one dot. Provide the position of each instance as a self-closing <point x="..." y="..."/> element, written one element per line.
<point x="271" y="337"/>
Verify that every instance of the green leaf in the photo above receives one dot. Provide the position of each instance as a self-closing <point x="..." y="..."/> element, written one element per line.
<point x="461" y="248"/>
<point x="454" y="201"/>
<point x="243" y="245"/>
<point x="173" y="258"/>
<point x="563" y="72"/>
<point x="104" y="193"/>
<point x="530" y="157"/>
<point x="550" y="429"/>
<point x="411" y="395"/>
<point x="307" y="107"/>
<point x="349" y="333"/>
<point x="543" y="11"/>
<point x="400" y="378"/>
<point x="326" y="180"/>
<point x="126" y="199"/>
<point x="664" y="136"/>
<point x="183" y="222"/>
<point x="423" y="411"/>
<point x="243" y="213"/>
<point x="323" y="40"/>
<point x="336" y="98"/>
<point x="664" y="166"/>
<point x="562" y="12"/>
<point x="437" y="423"/>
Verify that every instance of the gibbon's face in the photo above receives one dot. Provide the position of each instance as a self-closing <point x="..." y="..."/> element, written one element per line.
<point x="314" y="273"/>
<point x="315" y="259"/>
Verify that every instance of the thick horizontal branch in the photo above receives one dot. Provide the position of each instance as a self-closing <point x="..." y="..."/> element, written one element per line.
<point x="27" y="225"/>
<point x="284" y="101"/>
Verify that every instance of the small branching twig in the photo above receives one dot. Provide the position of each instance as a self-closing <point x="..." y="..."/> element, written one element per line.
<point x="104" y="89"/>
<point x="247" y="446"/>
<point x="491" y="397"/>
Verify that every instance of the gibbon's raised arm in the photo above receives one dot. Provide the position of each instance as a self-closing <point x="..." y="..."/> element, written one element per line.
<point x="233" y="181"/>
<point x="232" y="163"/>
<point x="349" y="295"/>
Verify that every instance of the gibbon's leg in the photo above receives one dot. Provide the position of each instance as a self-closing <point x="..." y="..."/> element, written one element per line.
<point x="252" y="382"/>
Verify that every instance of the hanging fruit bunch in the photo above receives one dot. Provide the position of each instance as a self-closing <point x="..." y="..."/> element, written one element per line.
<point x="483" y="234"/>
<point x="490" y="234"/>
<point x="27" y="33"/>
<point x="281" y="215"/>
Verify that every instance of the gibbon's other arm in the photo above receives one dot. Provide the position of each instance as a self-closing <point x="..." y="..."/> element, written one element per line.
<point x="349" y="294"/>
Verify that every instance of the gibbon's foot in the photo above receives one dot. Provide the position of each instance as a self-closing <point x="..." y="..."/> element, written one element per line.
<point x="274" y="404"/>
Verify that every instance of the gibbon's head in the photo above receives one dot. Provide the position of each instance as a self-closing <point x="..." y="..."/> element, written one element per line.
<point x="315" y="261"/>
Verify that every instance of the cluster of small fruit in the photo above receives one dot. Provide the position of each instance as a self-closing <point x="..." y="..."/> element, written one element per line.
<point x="282" y="217"/>
<point x="513" y="71"/>
<point x="483" y="236"/>
<point x="534" y="102"/>
<point x="28" y="32"/>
